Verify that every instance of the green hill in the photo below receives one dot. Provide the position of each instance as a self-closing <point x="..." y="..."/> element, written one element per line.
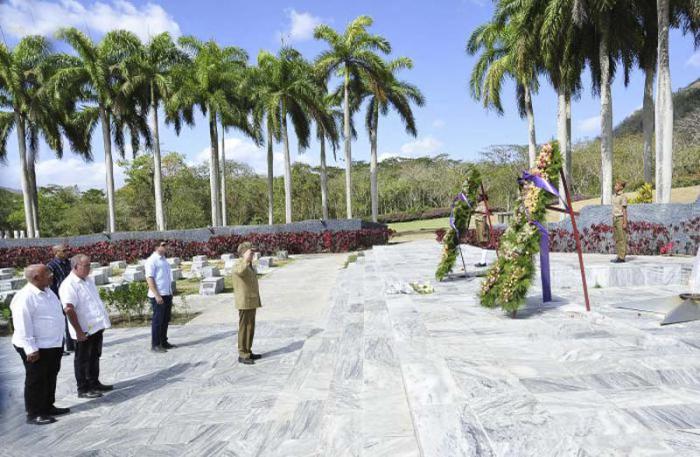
<point x="686" y="114"/>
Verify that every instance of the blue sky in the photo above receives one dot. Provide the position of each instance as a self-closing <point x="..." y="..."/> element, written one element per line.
<point x="433" y="34"/>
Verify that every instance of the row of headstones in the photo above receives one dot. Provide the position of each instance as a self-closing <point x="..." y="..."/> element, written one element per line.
<point x="102" y="275"/>
<point x="9" y="234"/>
<point x="212" y="281"/>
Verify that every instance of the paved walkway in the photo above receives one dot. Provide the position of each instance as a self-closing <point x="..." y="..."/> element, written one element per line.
<point x="353" y="368"/>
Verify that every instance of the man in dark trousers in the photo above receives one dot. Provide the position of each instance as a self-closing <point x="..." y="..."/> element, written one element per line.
<point x="38" y="336"/>
<point x="60" y="267"/>
<point x="88" y="319"/>
<point x="159" y="277"/>
<point x="247" y="293"/>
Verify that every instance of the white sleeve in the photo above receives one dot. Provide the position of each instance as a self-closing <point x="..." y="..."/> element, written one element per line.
<point x="22" y="322"/>
<point x="149" y="268"/>
<point x="68" y="294"/>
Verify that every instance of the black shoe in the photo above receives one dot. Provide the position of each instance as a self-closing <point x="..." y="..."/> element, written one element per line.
<point x="617" y="260"/>
<point x="66" y="353"/>
<point x="255" y="356"/>
<point x="246" y="361"/>
<point x="102" y="387"/>
<point x="40" y="420"/>
<point x="158" y="349"/>
<point x="53" y="411"/>
<point x="169" y="346"/>
<point x="480" y="265"/>
<point x="90" y="394"/>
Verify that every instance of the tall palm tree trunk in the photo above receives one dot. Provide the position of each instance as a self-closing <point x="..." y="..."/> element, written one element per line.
<point x="348" y="153"/>
<point x="26" y="187"/>
<point x="31" y="171"/>
<point x="287" y="170"/>
<point x="563" y="135"/>
<point x="324" y="181"/>
<point x="373" y="164"/>
<point x="648" y="123"/>
<point x="157" y="169"/>
<point x="109" y="166"/>
<point x="214" y="170"/>
<point x="223" y="177"/>
<point x="664" y="109"/>
<point x="532" y="140"/>
<point x="606" y="115"/>
<point x="270" y="177"/>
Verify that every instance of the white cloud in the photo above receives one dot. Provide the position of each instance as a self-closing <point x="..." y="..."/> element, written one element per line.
<point x="44" y="17"/>
<point x="590" y="125"/>
<point x="694" y="60"/>
<point x="244" y="151"/>
<point x="301" y="26"/>
<point x="438" y="123"/>
<point x="421" y="147"/>
<point x="73" y="171"/>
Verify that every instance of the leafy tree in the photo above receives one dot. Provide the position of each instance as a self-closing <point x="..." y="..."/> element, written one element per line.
<point x="351" y="53"/>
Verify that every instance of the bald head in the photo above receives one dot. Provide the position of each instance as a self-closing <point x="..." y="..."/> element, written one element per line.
<point x="39" y="275"/>
<point x="60" y="251"/>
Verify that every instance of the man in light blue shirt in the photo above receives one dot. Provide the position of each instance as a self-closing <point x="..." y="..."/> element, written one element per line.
<point x="159" y="278"/>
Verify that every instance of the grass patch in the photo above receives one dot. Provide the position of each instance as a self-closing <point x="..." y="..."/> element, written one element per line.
<point x="352" y="258"/>
<point x="177" y="318"/>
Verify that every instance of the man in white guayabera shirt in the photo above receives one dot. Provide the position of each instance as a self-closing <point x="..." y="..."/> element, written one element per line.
<point x="159" y="278"/>
<point x="88" y="319"/>
<point x="38" y="338"/>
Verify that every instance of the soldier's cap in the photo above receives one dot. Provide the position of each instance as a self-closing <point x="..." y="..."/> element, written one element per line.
<point x="244" y="246"/>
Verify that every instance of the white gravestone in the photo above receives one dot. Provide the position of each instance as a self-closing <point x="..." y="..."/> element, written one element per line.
<point x="209" y="272"/>
<point x="134" y="275"/>
<point x="12" y="284"/>
<point x="7" y="270"/>
<point x="199" y="258"/>
<point x="177" y="273"/>
<point x="117" y="265"/>
<point x="227" y="257"/>
<point x="211" y="286"/>
<point x="100" y="276"/>
<point x="4" y="276"/>
<point x="282" y="255"/>
<point x="174" y="261"/>
<point x="694" y="282"/>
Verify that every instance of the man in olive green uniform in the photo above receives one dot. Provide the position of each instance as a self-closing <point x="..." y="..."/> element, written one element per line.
<point x="482" y="230"/>
<point x="247" y="293"/>
<point x="619" y="212"/>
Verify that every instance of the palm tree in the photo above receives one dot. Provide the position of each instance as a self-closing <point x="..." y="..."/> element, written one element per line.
<point x="289" y="91"/>
<point x="327" y="118"/>
<point x="212" y="82"/>
<point x="565" y="46"/>
<point x="25" y="73"/>
<point x="97" y="76"/>
<point x="350" y="53"/>
<point x="647" y="62"/>
<point x="509" y="50"/>
<point x="153" y="79"/>
<point x="384" y="94"/>
<point x="617" y="35"/>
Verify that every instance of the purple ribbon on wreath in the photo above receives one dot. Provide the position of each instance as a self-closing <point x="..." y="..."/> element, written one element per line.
<point x="459" y="197"/>
<point x="547" y="186"/>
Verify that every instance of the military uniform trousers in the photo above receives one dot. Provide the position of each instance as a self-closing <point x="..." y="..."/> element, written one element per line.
<point x="620" y="236"/>
<point x="246" y="332"/>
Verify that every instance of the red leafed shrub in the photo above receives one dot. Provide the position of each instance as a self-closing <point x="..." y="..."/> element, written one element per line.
<point x="268" y="243"/>
<point x="644" y="238"/>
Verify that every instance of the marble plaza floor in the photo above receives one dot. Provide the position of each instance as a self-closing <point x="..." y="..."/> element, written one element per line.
<point x="354" y="367"/>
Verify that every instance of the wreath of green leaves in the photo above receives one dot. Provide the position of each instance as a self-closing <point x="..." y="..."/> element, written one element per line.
<point x="463" y="211"/>
<point x="509" y="278"/>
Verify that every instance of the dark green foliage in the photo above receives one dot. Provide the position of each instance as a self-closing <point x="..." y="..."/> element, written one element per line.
<point x="509" y="278"/>
<point x="463" y="211"/>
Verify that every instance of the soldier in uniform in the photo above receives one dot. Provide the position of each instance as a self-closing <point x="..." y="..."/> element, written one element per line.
<point x="247" y="293"/>
<point x="619" y="213"/>
<point x="482" y="230"/>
